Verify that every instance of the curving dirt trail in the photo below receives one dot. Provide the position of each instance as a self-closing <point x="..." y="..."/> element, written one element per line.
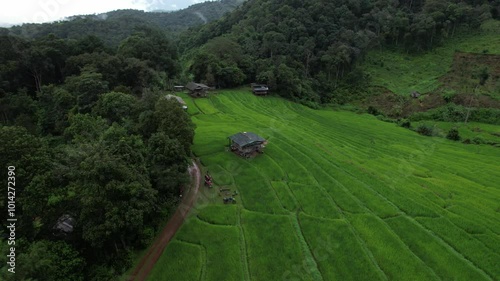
<point x="149" y="260"/>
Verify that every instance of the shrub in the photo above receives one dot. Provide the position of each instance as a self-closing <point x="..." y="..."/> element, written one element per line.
<point x="448" y="95"/>
<point x="478" y="140"/>
<point x="386" y="119"/>
<point x="453" y="135"/>
<point x="405" y="123"/>
<point x="456" y="113"/>
<point x="425" y="130"/>
<point x="373" y="111"/>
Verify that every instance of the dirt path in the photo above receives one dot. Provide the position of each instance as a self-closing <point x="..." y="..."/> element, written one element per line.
<point x="149" y="260"/>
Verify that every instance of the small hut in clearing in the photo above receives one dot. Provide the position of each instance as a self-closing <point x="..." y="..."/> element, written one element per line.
<point x="64" y="226"/>
<point x="179" y="99"/>
<point x="259" y="89"/>
<point x="246" y="144"/>
<point x="197" y="90"/>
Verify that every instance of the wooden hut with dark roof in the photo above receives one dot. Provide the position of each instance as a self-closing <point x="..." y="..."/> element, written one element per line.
<point x="259" y="89"/>
<point x="64" y="226"/>
<point x="197" y="90"/>
<point x="247" y="144"/>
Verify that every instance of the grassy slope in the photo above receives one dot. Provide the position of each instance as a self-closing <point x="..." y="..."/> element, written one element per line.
<point x="403" y="73"/>
<point x="336" y="196"/>
<point x="471" y="131"/>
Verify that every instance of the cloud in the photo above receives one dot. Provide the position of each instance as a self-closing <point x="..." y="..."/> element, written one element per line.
<point x="51" y="10"/>
<point x="201" y="16"/>
<point x="37" y="11"/>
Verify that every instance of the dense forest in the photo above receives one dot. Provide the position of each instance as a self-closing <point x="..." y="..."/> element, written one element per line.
<point x="84" y="120"/>
<point x="115" y="26"/>
<point x="92" y="138"/>
<point x="308" y="50"/>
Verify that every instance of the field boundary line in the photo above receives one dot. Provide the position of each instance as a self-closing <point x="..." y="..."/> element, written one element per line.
<point x="450" y="247"/>
<point x="203" y="273"/>
<point x="328" y="175"/>
<point x="289" y="190"/>
<point x="351" y="228"/>
<point x="203" y="251"/>
<point x="197" y="106"/>
<point x="214" y="224"/>
<point x="270" y="185"/>
<point x="243" y="249"/>
<point x="306" y="248"/>
<point x="360" y="241"/>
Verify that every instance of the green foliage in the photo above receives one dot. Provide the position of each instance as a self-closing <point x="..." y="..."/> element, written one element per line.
<point x="86" y="87"/>
<point x="54" y="104"/>
<point x="426" y="130"/>
<point x="153" y="47"/>
<point x="453" y="134"/>
<point x="420" y="72"/>
<point x="113" y="27"/>
<point x="482" y="74"/>
<point x="19" y="109"/>
<point x="220" y="63"/>
<point x="173" y="121"/>
<point x="457" y="113"/>
<point x="405" y="123"/>
<point x="28" y="153"/>
<point x="449" y="95"/>
<point x="88" y="160"/>
<point x="116" y="107"/>
<point x="84" y="127"/>
<point x="168" y="164"/>
<point x="116" y="195"/>
<point x="47" y="259"/>
<point x="372" y="110"/>
<point x="296" y="47"/>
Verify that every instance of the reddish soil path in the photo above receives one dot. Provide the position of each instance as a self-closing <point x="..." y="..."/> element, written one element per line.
<point x="149" y="260"/>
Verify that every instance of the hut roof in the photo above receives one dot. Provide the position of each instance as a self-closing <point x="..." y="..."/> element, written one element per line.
<point x="65" y="224"/>
<point x="260" y="87"/>
<point x="179" y="99"/>
<point x="245" y="139"/>
<point x="192" y="86"/>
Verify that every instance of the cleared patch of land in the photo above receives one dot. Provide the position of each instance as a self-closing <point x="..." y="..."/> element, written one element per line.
<point x="402" y="73"/>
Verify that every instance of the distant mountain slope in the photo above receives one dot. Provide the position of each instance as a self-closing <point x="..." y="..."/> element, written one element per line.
<point x="115" y="26"/>
<point x="309" y="50"/>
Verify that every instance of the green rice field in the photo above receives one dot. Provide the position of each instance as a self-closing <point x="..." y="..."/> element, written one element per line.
<point x="335" y="196"/>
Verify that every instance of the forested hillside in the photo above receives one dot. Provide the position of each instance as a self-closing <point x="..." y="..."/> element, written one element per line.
<point x="112" y="27"/>
<point x="93" y="143"/>
<point x="308" y="50"/>
<point x="84" y="121"/>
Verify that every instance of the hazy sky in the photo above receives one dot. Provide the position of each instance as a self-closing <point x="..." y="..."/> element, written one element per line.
<point x="20" y="11"/>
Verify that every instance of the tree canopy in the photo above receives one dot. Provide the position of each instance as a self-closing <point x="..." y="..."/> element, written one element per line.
<point x="91" y="137"/>
<point x="307" y="50"/>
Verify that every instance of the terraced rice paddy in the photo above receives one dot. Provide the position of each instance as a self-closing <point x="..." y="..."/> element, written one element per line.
<point x="335" y="196"/>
